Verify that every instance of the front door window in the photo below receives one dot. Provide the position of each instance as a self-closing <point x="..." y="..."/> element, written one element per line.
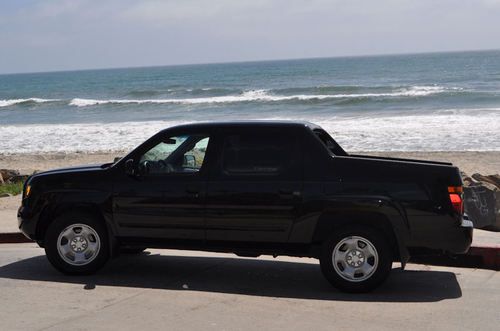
<point x="178" y="154"/>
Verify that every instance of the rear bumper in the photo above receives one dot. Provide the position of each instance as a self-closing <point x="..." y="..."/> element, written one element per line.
<point x="440" y="233"/>
<point x="460" y="239"/>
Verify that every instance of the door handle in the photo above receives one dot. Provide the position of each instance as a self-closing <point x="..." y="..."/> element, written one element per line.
<point x="193" y="193"/>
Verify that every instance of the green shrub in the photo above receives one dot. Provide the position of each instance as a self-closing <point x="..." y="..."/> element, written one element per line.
<point x="12" y="188"/>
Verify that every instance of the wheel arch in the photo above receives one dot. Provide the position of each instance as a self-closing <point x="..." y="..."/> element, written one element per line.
<point x="54" y="210"/>
<point x="393" y="227"/>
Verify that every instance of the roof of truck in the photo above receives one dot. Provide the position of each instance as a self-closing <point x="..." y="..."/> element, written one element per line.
<point x="249" y="123"/>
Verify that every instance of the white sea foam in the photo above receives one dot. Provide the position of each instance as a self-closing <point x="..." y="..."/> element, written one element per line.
<point x="11" y="102"/>
<point x="458" y="131"/>
<point x="265" y="96"/>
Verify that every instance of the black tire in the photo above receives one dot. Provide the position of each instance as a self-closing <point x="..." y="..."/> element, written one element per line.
<point x="379" y="264"/>
<point x="97" y="257"/>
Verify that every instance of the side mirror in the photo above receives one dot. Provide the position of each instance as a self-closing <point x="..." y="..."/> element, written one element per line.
<point x="189" y="161"/>
<point x="129" y="167"/>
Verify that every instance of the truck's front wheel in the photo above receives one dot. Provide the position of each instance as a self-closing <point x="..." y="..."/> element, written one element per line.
<point x="77" y="244"/>
<point x="356" y="259"/>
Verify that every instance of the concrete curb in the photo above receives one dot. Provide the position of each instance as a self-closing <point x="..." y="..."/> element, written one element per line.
<point x="482" y="256"/>
<point x="490" y="255"/>
<point x="13" y="238"/>
<point x="479" y="256"/>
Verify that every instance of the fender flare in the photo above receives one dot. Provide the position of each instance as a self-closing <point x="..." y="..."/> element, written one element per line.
<point x="55" y="203"/>
<point x="378" y="211"/>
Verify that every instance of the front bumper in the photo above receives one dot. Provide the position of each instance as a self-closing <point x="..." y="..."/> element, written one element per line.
<point x="26" y="222"/>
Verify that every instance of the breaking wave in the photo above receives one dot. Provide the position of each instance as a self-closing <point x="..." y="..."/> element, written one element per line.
<point x="258" y="95"/>
<point x="267" y="96"/>
<point x="12" y="102"/>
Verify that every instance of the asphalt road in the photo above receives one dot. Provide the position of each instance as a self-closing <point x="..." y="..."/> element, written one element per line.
<point x="175" y="290"/>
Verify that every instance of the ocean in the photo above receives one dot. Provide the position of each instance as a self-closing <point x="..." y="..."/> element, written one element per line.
<point x="423" y="102"/>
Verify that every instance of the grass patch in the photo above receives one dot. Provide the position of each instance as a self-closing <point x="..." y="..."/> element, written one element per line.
<point x="12" y="188"/>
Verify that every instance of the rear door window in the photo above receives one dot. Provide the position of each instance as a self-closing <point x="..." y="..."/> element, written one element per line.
<point x="259" y="153"/>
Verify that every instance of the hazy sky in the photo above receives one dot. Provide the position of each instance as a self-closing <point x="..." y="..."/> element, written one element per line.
<point x="75" y="34"/>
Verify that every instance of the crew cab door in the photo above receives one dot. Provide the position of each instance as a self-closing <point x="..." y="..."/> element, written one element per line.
<point x="254" y="191"/>
<point x="165" y="198"/>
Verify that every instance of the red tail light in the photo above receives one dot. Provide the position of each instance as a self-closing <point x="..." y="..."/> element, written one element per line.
<point x="456" y="198"/>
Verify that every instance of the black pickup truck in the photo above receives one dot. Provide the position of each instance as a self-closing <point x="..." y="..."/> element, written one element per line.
<point x="251" y="188"/>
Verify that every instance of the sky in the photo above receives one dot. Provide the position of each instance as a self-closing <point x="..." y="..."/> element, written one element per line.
<point x="50" y="35"/>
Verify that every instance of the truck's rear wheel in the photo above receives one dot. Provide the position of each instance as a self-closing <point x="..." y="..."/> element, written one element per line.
<point x="77" y="244"/>
<point x="356" y="259"/>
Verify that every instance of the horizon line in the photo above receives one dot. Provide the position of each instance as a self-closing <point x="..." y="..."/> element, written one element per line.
<point x="249" y="61"/>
